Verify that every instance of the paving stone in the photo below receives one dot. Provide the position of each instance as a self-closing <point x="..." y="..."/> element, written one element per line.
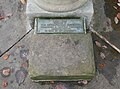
<point x="12" y="28"/>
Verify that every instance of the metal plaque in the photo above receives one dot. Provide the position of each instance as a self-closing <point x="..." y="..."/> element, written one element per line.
<point x="61" y="25"/>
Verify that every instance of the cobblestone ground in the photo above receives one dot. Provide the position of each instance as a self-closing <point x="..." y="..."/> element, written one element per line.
<point x="13" y="27"/>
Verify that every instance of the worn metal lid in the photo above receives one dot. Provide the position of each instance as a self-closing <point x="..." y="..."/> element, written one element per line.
<point x="60" y="5"/>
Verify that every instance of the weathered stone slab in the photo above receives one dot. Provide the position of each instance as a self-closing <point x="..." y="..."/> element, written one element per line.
<point x="61" y="57"/>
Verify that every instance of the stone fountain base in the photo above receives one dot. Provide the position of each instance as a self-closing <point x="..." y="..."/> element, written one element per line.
<point x="60" y="57"/>
<point x="33" y="10"/>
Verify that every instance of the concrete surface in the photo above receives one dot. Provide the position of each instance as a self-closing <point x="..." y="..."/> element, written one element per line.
<point x="10" y="31"/>
<point x="107" y="77"/>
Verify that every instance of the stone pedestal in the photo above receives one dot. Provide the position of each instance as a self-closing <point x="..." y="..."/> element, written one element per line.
<point x="60" y="57"/>
<point x="60" y="5"/>
<point x="34" y="10"/>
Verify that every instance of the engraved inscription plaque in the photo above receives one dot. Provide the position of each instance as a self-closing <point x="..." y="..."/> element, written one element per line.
<point x="60" y="25"/>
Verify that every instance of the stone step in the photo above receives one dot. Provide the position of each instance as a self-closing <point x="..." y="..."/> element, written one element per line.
<point x="61" y="57"/>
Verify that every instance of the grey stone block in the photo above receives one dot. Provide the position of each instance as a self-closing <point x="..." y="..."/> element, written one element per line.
<point x="61" y="57"/>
